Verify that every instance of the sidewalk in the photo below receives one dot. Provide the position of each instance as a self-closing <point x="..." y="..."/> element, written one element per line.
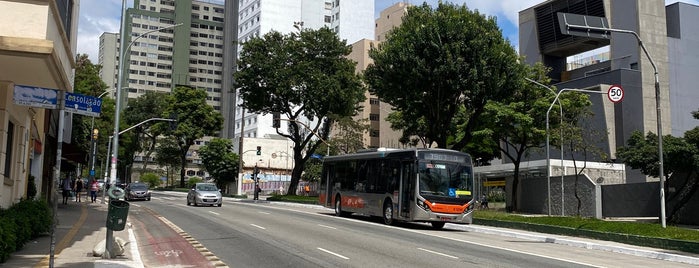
<point x="80" y="227"/>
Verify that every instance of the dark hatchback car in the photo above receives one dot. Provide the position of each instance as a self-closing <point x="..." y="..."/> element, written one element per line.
<point x="137" y="191"/>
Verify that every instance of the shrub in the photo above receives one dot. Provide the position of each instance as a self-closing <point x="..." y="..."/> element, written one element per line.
<point x="192" y="181"/>
<point x="20" y="223"/>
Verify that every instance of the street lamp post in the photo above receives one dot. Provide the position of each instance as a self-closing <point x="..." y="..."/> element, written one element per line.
<point x="548" y="166"/>
<point x="94" y="140"/>
<point x="115" y="137"/>
<point x="548" y="157"/>
<point x="602" y="31"/>
<point x="110" y="235"/>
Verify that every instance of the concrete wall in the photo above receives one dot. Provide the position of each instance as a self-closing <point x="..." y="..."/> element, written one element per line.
<point x="631" y="200"/>
<point x="534" y="193"/>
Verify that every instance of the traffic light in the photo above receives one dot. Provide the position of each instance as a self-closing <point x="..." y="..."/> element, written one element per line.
<point x="259" y="150"/>
<point x="276" y="120"/>
<point x="173" y="122"/>
<point x="95" y="134"/>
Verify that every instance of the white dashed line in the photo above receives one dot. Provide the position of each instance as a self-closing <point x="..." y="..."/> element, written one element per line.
<point x="333" y="253"/>
<point x="263" y="228"/>
<point x="329" y="227"/>
<point x="438" y="253"/>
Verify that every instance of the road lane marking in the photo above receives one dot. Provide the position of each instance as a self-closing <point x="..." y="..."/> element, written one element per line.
<point x="333" y="253"/>
<point x="263" y="212"/>
<point x="215" y="213"/>
<point x="439" y="253"/>
<point x="329" y="227"/>
<point x="263" y="228"/>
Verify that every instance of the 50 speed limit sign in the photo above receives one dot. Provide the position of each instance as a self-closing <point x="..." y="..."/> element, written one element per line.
<point x="615" y="93"/>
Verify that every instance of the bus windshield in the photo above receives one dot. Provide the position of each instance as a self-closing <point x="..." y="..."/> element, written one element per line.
<point x="444" y="179"/>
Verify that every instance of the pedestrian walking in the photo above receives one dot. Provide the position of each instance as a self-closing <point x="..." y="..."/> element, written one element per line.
<point x="94" y="187"/>
<point x="78" y="189"/>
<point x="66" y="187"/>
<point x="484" y="202"/>
<point x="307" y="189"/>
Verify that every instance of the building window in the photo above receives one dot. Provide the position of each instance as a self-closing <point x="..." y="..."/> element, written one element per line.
<point x="374" y="101"/>
<point x="374" y="133"/>
<point x="374" y="117"/>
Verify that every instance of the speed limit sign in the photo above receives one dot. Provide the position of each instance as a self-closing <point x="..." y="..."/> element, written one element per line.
<point x="615" y="93"/>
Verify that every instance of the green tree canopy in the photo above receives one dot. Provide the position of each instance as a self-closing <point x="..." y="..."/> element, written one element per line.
<point x="147" y="106"/>
<point x="195" y="119"/>
<point x="304" y="76"/>
<point x="439" y="61"/>
<point x="88" y="82"/>
<point x="220" y="161"/>
<point x="518" y="122"/>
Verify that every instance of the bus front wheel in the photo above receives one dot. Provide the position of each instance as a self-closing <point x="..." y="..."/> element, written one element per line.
<point x="437" y="225"/>
<point x="388" y="213"/>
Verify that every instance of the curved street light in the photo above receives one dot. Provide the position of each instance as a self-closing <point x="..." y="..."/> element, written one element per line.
<point x="115" y="137"/>
<point x="548" y="165"/>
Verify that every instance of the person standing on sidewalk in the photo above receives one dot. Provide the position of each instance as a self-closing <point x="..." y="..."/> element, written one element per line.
<point x="94" y="187"/>
<point x="78" y="188"/>
<point x="66" y="187"/>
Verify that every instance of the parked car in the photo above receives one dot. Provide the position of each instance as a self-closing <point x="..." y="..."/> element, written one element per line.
<point x="137" y="191"/>
<point x="204" y="193"/>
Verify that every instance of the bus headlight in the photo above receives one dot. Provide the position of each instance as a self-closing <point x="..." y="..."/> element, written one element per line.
<point x="423" y="205"/>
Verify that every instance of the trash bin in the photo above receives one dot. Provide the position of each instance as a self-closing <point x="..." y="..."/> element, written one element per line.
<point x="116" y="214"/>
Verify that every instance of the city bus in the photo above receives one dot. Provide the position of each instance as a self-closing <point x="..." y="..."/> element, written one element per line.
<point x="411" y="185"/>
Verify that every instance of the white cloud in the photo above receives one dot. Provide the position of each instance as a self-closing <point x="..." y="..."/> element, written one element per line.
<point x="99" y="16"/>
<point x="96" y="18"/>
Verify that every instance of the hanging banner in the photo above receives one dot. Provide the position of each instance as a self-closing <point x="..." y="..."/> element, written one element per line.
<point x="35" y="97"/>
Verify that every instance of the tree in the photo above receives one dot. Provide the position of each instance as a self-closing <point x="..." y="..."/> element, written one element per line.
<point x="88" y="82"/>
<point x="306" y="77"/>
<point x="147" y="106"/>
<point x="220" y="161"/>
<point x="519" y="121"/>
<point x="195" y="119"/>
<point x="349" y="135"/>
<point x="439" y="61"/>
<point x="168" y="154"/>
<point x="680" y="163"/>
<point x="152" y="179"/>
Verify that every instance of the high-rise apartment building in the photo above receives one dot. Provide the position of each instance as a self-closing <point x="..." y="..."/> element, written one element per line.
<point x="375" y="111"/>
<point x="190" y="54"/>
<point x="352" y="20"/>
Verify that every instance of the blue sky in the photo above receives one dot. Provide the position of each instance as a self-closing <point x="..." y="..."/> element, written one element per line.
<point x="99" y="16"/>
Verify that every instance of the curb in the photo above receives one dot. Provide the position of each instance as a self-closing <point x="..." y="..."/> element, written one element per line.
<point x="660" y="243"/>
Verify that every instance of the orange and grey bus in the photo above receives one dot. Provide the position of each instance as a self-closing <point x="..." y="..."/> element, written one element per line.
<point x="412" y="185"/>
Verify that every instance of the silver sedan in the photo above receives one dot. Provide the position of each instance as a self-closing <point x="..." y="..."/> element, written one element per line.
<point x="204" y="194"/>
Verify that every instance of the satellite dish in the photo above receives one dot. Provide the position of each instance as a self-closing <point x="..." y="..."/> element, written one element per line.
<point x="600" y="180"/>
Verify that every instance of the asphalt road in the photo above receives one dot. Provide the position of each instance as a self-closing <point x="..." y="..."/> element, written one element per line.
<point x="262" y="234"/>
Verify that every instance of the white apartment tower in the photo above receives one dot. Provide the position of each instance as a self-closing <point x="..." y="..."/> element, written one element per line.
<point x="352" y="20"/>
<point x="190" y="54"/>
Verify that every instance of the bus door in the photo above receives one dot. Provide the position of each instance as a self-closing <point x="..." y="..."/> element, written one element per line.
<point x="406" y="188"/>
<point x="327" y="183"/>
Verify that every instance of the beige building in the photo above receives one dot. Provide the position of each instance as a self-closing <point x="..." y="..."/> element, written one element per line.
<point x="375" y="111"/>
<point x="37" y="50"/>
